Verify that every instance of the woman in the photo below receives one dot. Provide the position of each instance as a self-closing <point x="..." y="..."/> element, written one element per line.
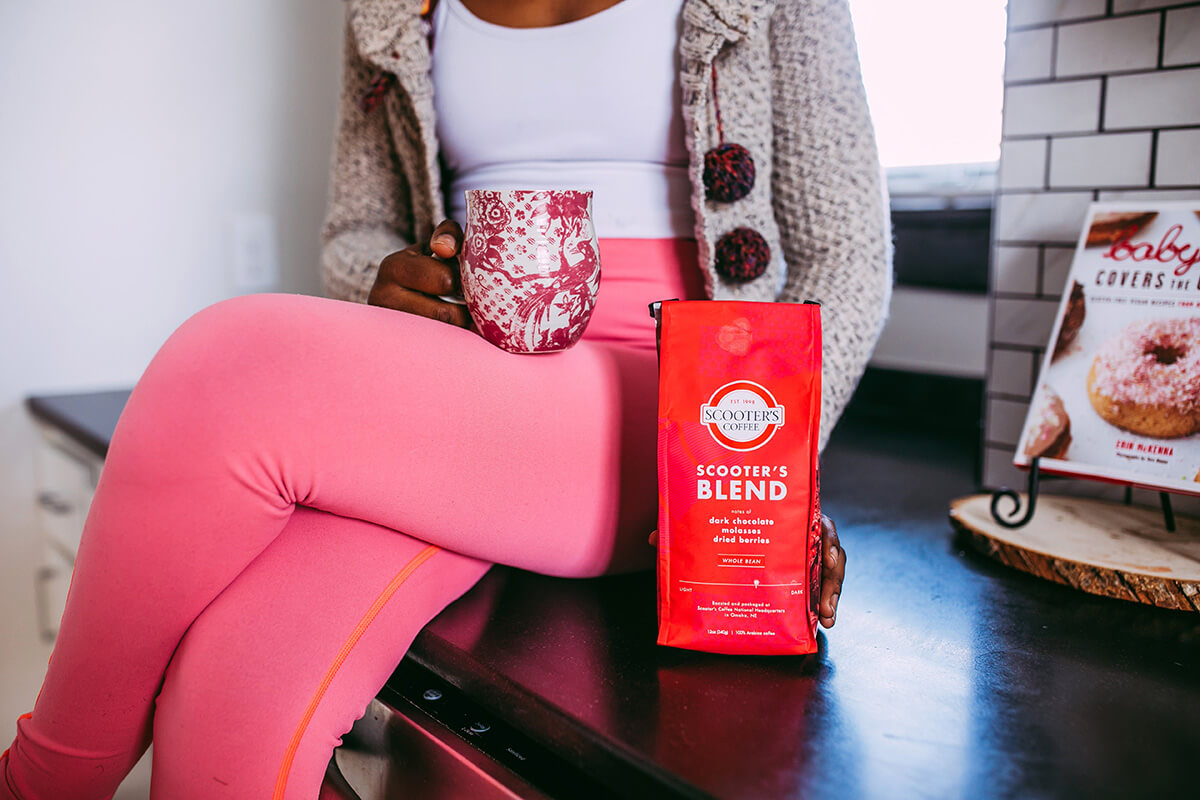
<point x="298" y="484"/>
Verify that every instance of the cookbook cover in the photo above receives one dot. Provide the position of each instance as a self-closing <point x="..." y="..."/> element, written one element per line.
<point x="1118" y="396"/>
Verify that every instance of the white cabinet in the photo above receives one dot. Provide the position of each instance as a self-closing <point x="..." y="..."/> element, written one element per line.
<point x="67" y="475"/>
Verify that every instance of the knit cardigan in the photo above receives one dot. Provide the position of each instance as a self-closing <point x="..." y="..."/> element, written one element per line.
<point x="790" y="91"/>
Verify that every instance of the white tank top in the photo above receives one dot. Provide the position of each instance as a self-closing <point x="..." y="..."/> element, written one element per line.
<point x="590" y="104"/>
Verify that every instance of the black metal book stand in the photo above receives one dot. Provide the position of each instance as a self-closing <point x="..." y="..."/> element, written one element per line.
<point x="1017" y="518"/>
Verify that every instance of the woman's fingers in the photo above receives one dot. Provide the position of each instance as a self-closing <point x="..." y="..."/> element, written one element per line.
<point x="412" y="270"/>
<point x="833" y="571"/>
<point x="447" y="239"/>
<point x="416" y="279"/>
<point x="395" y="296"/>
<point x="446" y="244"/>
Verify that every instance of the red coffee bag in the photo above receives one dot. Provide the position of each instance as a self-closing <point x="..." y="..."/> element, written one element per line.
<point x="739" y="528"/>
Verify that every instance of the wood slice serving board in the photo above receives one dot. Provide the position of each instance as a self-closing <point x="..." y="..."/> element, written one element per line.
<point x="1097" y="546"/>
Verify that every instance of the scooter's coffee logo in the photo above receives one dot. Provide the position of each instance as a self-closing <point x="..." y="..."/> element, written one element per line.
<point x="742" y="415"/>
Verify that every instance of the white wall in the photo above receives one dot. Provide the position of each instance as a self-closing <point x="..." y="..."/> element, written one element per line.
<point x="132" y="132"/>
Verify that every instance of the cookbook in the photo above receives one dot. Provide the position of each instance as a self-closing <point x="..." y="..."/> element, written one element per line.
<point x="1118" y="395"/>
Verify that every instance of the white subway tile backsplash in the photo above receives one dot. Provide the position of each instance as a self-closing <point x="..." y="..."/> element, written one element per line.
<point x="1027" y="55"/>
<point x="1178" y="158"/>
<point x="1015" y="270"/>
<point x="1049" y="217"/>
<point x="1056" y="264"/>
<point x="1122" y="6"/>
<point x="1117" y="160"/>
<point x="1181" y="40"/>
<point x="1036" y="12"/>
<point x="1151" y="100"/>
<point x="1023" y="322"/>
<point x="1011" y="372"/>
<point x="1153" y="195"/>
<point x="998" y="471"/>
<point x="1005" y="418"/>
<point x="1107" y="45"/>
<point x="1045" y="108"/>
<point x="1022" y="164"/>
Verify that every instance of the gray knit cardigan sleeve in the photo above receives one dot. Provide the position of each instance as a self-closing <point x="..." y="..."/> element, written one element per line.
<point x="828" y="192"/>
<point x="368" y="215"/>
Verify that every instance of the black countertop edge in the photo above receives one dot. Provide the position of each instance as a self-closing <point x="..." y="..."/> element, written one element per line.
<point x="618" y="768"/>
<point x="88" y="417"/>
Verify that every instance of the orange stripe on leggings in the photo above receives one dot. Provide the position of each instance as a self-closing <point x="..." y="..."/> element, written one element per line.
<point x="290" y="754"/>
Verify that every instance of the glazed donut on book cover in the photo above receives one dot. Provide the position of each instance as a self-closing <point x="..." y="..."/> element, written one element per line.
<point x="1146" y="379"/>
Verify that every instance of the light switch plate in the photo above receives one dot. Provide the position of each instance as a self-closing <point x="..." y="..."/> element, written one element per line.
<point x="255" y="256"/>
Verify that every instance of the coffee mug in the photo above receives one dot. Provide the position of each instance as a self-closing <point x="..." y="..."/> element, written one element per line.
<point x="530" y="267"/>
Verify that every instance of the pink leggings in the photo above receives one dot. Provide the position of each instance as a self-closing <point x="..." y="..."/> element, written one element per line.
<point x="243" y="589"/>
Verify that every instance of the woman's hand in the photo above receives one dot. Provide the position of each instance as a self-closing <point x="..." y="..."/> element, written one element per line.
<point x="412" y="279"/>
<point x="833" y="570"/>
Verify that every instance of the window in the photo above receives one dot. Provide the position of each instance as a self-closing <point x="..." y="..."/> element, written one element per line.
<point x="933" y="70"/>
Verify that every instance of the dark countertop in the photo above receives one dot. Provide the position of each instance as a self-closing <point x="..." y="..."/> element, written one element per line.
<point x="88" y="418"/>
<point x="947" y="674"/>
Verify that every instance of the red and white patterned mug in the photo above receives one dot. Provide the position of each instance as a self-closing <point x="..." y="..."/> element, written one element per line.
<point x="530" y="267"/>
